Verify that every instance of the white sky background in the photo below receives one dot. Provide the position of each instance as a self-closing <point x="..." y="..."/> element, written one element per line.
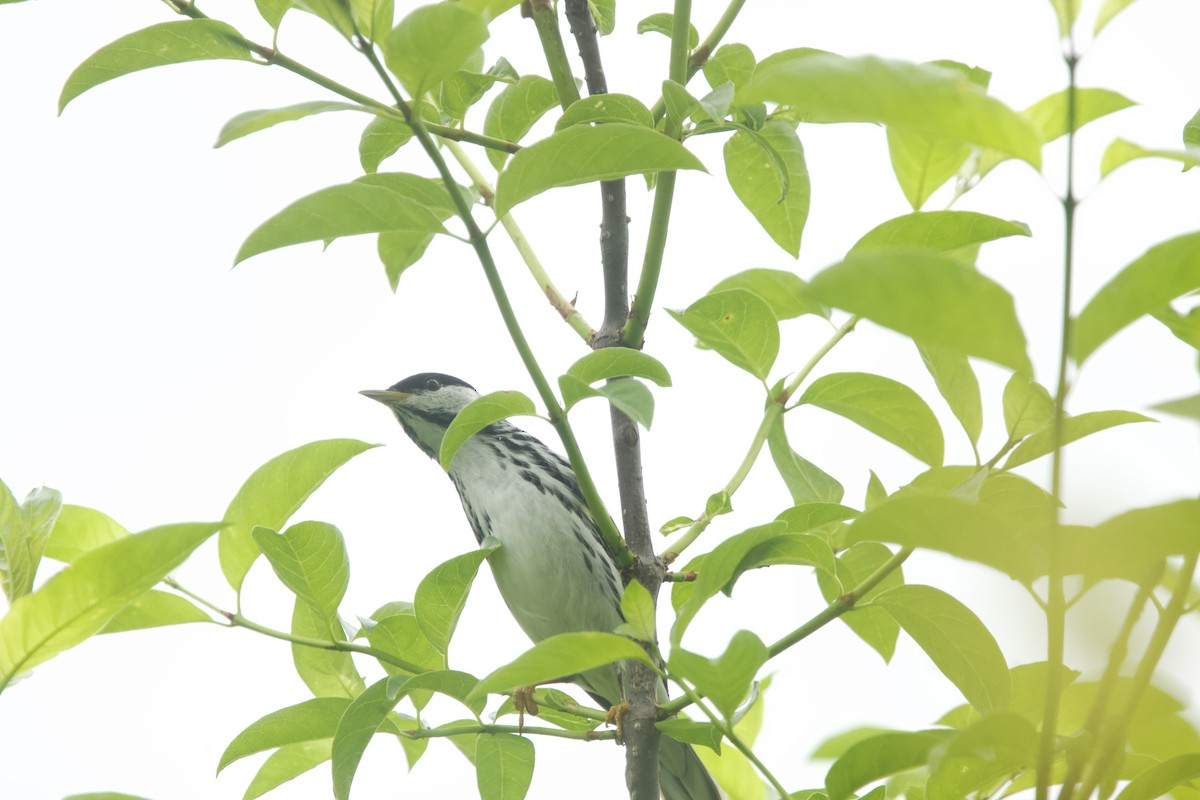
<point x="145" y="378"/>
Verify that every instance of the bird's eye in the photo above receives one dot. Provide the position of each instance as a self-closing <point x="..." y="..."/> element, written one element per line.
<point x="432" y="385"/>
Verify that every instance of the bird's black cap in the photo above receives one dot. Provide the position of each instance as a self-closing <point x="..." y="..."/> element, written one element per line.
<point x="427" y="382"/>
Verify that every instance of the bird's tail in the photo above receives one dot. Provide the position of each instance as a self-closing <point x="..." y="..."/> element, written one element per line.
<point x="681" y="775"/>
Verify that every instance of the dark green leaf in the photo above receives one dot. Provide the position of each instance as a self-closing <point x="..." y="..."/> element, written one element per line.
<point x="79" y="601"/>
<point x="1161" y="274"/>
<point x="878" y="757"/>
<point x="954" y="639"/>
<point x="1073" y="428"/>
<point x="165" y="43"/>
<point x="778" y="202"/>
<point x="309" y="721"/>
<point x="606" y="108"/>
<point x="155" y="609"/>
<point x="662" y="23"/>
<point x="583" y="154"/>
<point x="503" y="766"/>
<point x="873" y="625"/>
<point x="273" y="493"/>
<point x="250" y="122"/>
<point x="431" y="43"/>
<point x="783" y="291"/>
<point x="561" y="656"/>
<point x="310" y="559"/>
<point x="957" y="383"/>
<point x="806" y="482"/>
<point x="731" y="63"/>
<point x="918" y="97"/>
<point x="477" y="415"/>
<point x="289" y="761"/>
<point x="724" y="680"/>
<point x="934" y="299"/>
<point x="442" y="594"/>
<point x="738" y="324"/>
<point x="885" y="407"/>
<point x="515" y="110"/>
<point x="942" y="231"/>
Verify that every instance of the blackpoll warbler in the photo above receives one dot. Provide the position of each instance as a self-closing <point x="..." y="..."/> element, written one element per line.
<point x="554" y="569"/>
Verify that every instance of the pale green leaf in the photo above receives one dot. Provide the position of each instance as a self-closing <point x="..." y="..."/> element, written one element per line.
<point x="326" y="672"/>
<point x="24" y="531"/>
<point x="1191" y="131"/>
<point x="1183" y="407"/>
<point x="582" y="154"/>
<point x="731" y="63"/>
<point x="997" y="746"/>
<point x="1159" y="780"/>
<point x="1066" y="11"/>
<point x="876" y="492"/>
<point x="688" y="731"/>
<point x="1050" y="114"/>
<point x="400" y="635"/>
<point x="785" y="292"/>
<point x="804" y="517"/>
<point x="442" y="594"/>
<point x="373" y="18"/>
<point x="272" y="11"/>
<point x="932" y="298"/>
<point x="778" y="202"/>
<point x="78" y="530"/>
<point x="503" y="766"/>
<point x="1152" y="280"/>
<point x="274" y="492"/>
<point x="358" y="723"/>
<point x="604" y="13"/>
<point x="165" y="43"/>
<point x="383" y="136"/>
<point x="1076" y="427"/>
<point x="310" y="559"/>
<point x="250" y="122"/>
<point x="878" y="757"/>
<point x="78" y="602"/>
<point x="289" y="761"/>
<point x="477" y="415"/>
<point x="312" y="720"/>
<point x="631" y="396"/>
<point x="450" y="683"/>
<point x="431" y="43"/>
<point x="726" y="679"/>
<point x="606" y="108"/>
<point x="919" y="97"/>
<point x="941" y="231"/>
<point x="1109" y="10"/>
<point x="834" y="746"/>
<point x="885" y="407"/>
<point x="155" y="609"/>
<point x="873" y="625"/>
<point x="637" y="608"/>
<point x="662" y="23"/>
<point x="1028" y="407"/>
<point x="1121" y="152"/>
<point x="736" y="323"/>
<point x="954" y="639"/>
<point x="465" y="87"/>
<point x="1130" y="544"/>
<point x="515" y="110"/>
<point x="334" y="12"/>
<point x="561" y="656"/>
<point x="957" y="383"/>
<point x="617" y="362"/>
<point x="806" y="482"/>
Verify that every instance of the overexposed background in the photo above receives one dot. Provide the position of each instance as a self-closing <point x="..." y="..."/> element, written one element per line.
<point x="143" y="377"/>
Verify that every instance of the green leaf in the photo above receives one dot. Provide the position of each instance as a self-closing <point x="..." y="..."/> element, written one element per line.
<point x="561" y="656"/>
<point x="24" y="531"/>
<point x="921" y="162"/>
<point x="873" y="625"/>
<point x="932" y="298"/>
<point x="250" y="122"/>
<point x="705" y="734"/>
<point x="738" y="324"/>
<point x="326" y="672"/>
<point x="515" y="110"/>
<point x="785" y="292"/>
<point x="1183" y="407"/>
<point x="310" y="559"/>
<point x="954" y="639"/>
<point x="778" y="202"/>
<point x="1107" y="11"/>
<point x="373" y="18"/>
<point x="918" y="97"/>
<point x="166" y="43"/>
<point x="431" y="43"/>
<point x="1028" y="407"/>
<point x="885" y="407"/>
<point x="876" y="493"/>
<point x="154" y="609"/>
<point x="631" y="396"/>
<point x="1191" y="131"/>
<point x="1067" y="11"/>
<point x="1049" y="115"/>
<point x="662" y="23"/>
<point x="450" y="683"/>
<point x="442" y="594"/>
<point x="604" y="13"/>
<point x="957" y="383"/>
<point x="637" y="608"/>
<point x="680" y="104"/>
<point x="724" y="680"/>
<point x="272" y="11"/>
<point x="383" y="136"/>
<point x="79" y="601"/>
<point x="289" y="761"/>
<point x="731" y="63"/>
<point x="839" y="743"/>
<point x="1160" y="779"/>
<point x="806" y="482"/>
<point x="806" y="516"/>
<point x="477" y="415"/>
<point x="1128" y="545"/>
<point x="941" y="231"/>
<point x="1041" y="442"/>
<point x="617" y="362"/>
<point x="309" y="721"/>
<point x="399" y="250"/>
<point x="92" y="795"/>
<point x="465" y="87"/>
<point x="400" y="635"/>
<point x="1161" y="274"/>
<point x="78" y="530"/>
<point x="606" y="108"/>
<point x="335" y="12"/>
<point x="1121" y="152"/>
<point x="503" y="766"/>
<point x="274" y="492"/>
<point x="997" y="746"/>
<point x="878" y="757"/>
<point x="362" y="206"/>
<point x="361" y="719"/>
<point x="583" y="154"/>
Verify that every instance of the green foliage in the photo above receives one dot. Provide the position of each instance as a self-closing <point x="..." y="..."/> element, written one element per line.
<point x="431" y="43"/>
<point x="767" y="172"/>
<point x="736" y="323"/>
<point x="564" y="654"/>
<point x="478" y="414"/>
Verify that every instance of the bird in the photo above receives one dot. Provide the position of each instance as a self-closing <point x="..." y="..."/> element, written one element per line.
<point x="554" y="569"/>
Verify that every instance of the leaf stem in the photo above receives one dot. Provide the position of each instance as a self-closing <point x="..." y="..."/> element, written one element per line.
<point x="519" y="730"/>
<point x="701" y="54"/>
<point x="775" y="407"/>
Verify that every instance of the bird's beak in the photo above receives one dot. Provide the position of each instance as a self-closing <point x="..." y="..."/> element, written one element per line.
<point x="385" y="396"/>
